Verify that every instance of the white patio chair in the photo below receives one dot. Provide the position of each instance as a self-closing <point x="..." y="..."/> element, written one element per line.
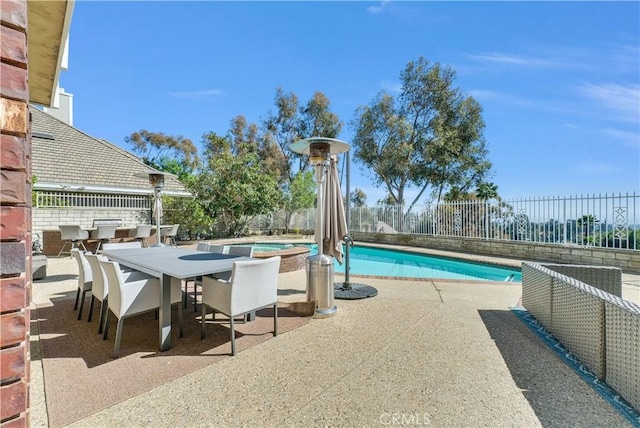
<point x="104" y="233"/>
<point x="141" y="233"/>
<point x="85" y="278"/>
<point x="234" y="250"/>
<point x="217" y="249"/>
<point x="100" y="289"/>
<point x="132" y="295"/>
<point x="253" y="285"/>
<point x="121" y="245"/>
<point x="201" y="246"/>
<point x="169" y="235"/>
<point x="74" y="236"/>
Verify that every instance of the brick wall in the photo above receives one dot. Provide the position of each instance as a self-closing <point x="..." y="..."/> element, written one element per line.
<point x="15" y="216"/>
<point x="627" y="260"/>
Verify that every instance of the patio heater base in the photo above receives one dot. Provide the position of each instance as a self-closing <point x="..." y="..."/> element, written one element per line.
<point x="351" y="291"/>
<point x="325" y="313"/>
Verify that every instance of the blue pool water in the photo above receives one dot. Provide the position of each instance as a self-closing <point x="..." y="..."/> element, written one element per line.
<point x="385" y="262"/>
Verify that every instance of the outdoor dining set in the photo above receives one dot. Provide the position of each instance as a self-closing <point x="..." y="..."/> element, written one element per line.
<point x="129" y="279"/>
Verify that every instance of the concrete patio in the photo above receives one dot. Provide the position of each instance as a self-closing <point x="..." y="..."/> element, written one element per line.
<point x="420" y="353"/>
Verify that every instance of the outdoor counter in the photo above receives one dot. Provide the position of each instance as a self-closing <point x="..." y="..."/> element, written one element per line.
<point x="52" y="243"/>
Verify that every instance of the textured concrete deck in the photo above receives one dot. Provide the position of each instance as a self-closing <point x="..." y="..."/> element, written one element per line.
<point x="421" y="353"/>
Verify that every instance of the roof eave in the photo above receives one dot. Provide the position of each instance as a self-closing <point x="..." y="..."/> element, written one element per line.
<point x="49" y="24"/>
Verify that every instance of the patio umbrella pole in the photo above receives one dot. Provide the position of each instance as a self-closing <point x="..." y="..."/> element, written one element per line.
<point x="346" y="290"/>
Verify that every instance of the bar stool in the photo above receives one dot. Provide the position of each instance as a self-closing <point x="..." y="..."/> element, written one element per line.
<point x="169" y="235"/>
<point x="74" y="236"/>
<point x="141" y="233"/>
<point x="103" y="233"/>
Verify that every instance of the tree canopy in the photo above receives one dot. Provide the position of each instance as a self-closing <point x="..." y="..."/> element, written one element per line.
<point x="429" y="137"/>
<point x="231" y="188"/>
<point x="164" y="151"/>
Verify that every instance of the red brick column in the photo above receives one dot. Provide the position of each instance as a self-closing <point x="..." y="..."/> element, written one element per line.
<point x="15" y="215"/>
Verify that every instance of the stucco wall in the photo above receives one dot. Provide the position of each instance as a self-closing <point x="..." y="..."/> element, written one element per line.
<point x="627" y="260"/>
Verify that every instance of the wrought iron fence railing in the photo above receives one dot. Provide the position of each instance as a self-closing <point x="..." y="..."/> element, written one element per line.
<point x="608" y="221"/>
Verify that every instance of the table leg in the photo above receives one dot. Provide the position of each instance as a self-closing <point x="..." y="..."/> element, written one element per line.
<point x="165" y="313"/>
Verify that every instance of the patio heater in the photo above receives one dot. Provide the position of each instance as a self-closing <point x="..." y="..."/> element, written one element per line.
<point x="156" y="179"/>
<point x="320" y="271"/>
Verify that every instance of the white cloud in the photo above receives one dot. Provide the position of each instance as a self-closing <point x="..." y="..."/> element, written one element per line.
<point x="630" y="139"/>
<point x="196" y="94"/>
<point x="509" y="59"/>
<point x="391" y="87"/>
<point x="378" y="9"/>
<point x="622" y="100"/>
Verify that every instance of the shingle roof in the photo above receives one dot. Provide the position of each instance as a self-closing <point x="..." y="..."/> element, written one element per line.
<point x="75" y="158"/>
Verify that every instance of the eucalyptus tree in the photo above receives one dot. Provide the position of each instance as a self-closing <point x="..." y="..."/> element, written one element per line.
<point x="161" y="151"/>
<point x="291" y="122"/>
<point x="429" y="137"/>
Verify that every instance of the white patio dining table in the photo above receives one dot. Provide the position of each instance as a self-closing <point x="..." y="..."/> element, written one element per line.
<point x="171" y="262"/>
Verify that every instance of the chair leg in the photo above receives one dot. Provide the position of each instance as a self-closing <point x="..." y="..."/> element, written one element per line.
<point x="82" y="244"/>
<point x="93" y="299"/>
<point x="116" y="346"/>
<point x="233" y="336"/>
<point x="275" y="319"/>
<point x="103" y="308"/>
<point x="84" y="293"/>
<point x="105" y="333"/>
<point x="202" y="320"/>
<point x="63" y="247"/>
<point x="75" y="307"/>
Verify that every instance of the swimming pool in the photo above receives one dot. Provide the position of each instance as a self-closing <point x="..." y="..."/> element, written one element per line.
<point x="386" y="262"/>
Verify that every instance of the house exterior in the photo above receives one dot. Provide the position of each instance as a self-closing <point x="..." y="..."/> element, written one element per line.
<point x="33" y="46"/>
<point x="79" y="178"/>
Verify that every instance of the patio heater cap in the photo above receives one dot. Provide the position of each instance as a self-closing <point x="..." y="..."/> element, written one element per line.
<point x="319" y="148"/>
<point x="156" y="178"/>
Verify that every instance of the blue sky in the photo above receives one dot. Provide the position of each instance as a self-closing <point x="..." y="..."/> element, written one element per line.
<point x="559" y="82"/>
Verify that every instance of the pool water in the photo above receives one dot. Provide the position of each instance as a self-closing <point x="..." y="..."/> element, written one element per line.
<point x="266" y="248"/>
<point x="385" y="262"/>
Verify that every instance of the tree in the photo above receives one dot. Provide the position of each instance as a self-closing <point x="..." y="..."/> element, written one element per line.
<point x="586" y="225"/>
<point x="487" y="191"/>
<point x="231" y="187"/>
<point x="290" y="123"/>
<point x="293" y="122"/>
<point x="431" y="136"/>
<point x="358" y="198"/>
<point x="156" y="147"/>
